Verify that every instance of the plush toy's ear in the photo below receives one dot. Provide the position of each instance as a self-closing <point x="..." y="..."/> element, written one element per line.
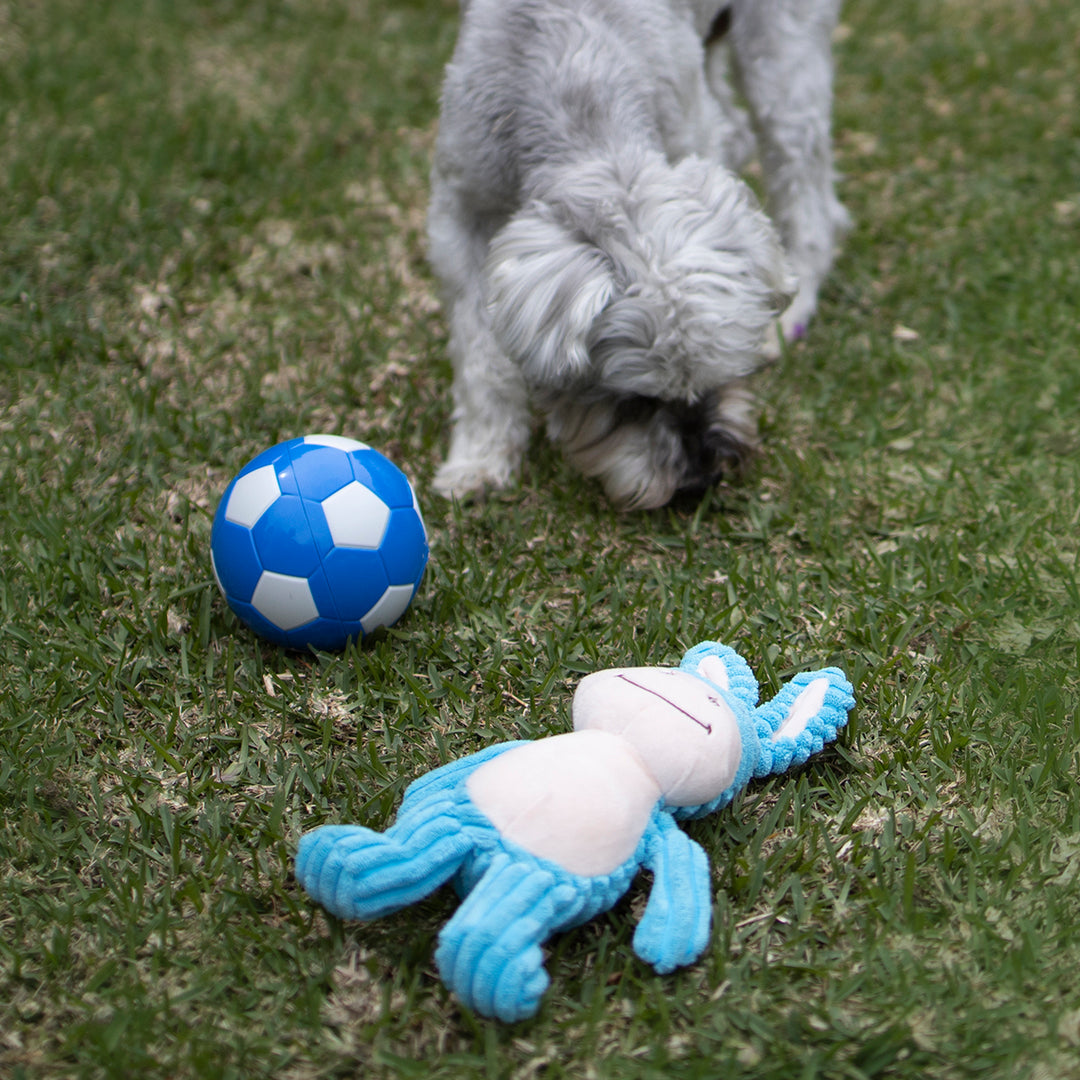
<point x="724" y="668"/>
<point x="802" y="718"/>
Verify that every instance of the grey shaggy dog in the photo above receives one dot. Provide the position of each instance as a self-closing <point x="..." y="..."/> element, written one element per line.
<point x="599" y="258"/>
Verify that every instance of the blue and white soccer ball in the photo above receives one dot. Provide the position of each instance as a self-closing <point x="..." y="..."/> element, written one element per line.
<point x="318" y="540"/>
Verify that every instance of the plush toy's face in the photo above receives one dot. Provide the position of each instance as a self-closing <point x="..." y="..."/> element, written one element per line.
<point x="686" y="733"/>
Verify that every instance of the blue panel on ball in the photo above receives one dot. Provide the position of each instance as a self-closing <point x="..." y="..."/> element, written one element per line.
<point x="285" y="478"/>
<point x="323" y="595"/>
<point x="404" y="548"/>
<point x="320" y="531"/>
<point x="320" y="470"/>
<point x="283" y="538"/>
<point x="327" y="634"/>
<point x="353" y="630"/>
<point x="357" y="580"/>
<point x="235" y="557"/>
<point x="382" y="476"/>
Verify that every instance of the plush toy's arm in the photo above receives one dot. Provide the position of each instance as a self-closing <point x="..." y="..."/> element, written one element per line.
<point x="675" y="927"/>
<point x="357" y="873"/>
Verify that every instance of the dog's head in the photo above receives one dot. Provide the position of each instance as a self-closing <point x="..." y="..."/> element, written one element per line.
<point x="635" y="296"/>
<point x="632" y="278"/>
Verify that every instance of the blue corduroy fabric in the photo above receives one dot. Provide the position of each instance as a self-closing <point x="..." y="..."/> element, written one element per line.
<point x="489" y="953"/>
<point x="781" y="754"/>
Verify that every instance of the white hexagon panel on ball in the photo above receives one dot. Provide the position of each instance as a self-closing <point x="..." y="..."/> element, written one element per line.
<point x="285" y="600"/>
<point x="356" y="516"/>
<point x="388" y="609"/>
<point x="253" y="494"/>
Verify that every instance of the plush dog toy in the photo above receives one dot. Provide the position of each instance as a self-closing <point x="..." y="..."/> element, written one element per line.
<point x="542" y="836"/>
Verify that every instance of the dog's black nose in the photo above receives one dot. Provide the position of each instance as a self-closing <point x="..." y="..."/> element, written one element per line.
<point x="721" y="24"/>
<point x="711" y="450"/>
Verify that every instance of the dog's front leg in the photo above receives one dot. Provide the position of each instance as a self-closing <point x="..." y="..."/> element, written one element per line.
<point x="491" y="409"/>
<point x="782" y="52"/>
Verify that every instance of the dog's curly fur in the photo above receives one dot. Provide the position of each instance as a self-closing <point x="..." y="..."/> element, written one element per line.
<point x="599" y="256"/>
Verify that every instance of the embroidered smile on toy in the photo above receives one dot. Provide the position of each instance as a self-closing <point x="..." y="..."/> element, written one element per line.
<point x="542" y="836"/>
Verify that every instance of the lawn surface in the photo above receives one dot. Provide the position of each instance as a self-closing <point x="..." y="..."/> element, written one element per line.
<point x="211" y="239"/>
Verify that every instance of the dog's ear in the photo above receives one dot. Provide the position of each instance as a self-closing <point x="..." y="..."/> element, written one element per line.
<point x="546" y="285"/>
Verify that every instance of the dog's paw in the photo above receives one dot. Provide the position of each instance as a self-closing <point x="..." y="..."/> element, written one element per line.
<point x="771" y="349"/>
<point x="792" y="325"/>
<point x="794" y="328"/>
<point x="842" y="220"/>
<point x="795" y="320"/>
<point x="464" y="480"/>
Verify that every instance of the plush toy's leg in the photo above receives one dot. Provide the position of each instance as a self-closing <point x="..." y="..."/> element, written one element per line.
<point x="675" y="927"/>
<point x="489" y="953"/>
<point x="356" y="873"/>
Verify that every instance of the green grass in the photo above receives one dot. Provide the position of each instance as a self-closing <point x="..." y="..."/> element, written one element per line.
<point x="211" y="223"/>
